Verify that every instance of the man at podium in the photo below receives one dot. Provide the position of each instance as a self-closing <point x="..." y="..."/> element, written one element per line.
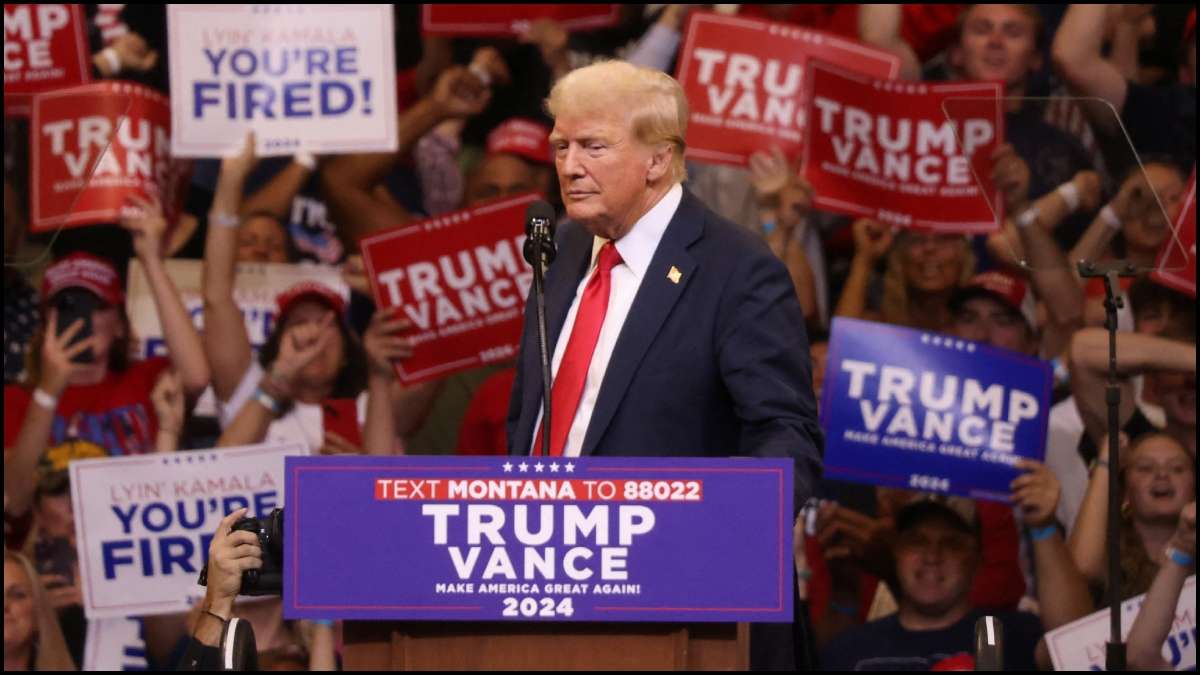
<point x="673" y="331"/>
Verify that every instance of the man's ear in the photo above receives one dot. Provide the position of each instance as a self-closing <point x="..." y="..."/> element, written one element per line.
<point x="659" y="163"/>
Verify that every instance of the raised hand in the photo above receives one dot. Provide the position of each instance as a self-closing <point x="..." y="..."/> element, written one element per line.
<point x="489" y="65"/>
<point x="459" y="93"/>
<point x="383" y="343"/>
<point x="238" y="164"/>
<point x="1088" y="185"/>
<point x="1036" y="492"/>
<point x="871" y="238"/>
<point x="300" y="346"/>
<point x="550" y="38"/>
<point x="769" y="174"/>
<point x="167" y="398"/>
<point x="1184" y="538"/>
<point x="144" y="218"/>
<point x="134" y="53"/>
<point x="57" y="352"/>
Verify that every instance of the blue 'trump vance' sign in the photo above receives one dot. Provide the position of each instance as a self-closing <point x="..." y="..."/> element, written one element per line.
<point x="912" y="409"/>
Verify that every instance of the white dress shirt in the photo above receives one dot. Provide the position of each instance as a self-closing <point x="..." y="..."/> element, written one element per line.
<point x="637" y="250"/>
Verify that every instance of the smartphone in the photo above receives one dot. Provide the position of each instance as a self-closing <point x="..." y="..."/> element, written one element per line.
<point x="340" y="415"/>
<point x="73" y="304"/>
<point x="56" y="556"/>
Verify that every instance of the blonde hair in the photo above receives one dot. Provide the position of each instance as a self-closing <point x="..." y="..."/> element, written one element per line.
<point x="656" y="106"/>
<point x="894" y="305"/>
<point x="51" y="648"/>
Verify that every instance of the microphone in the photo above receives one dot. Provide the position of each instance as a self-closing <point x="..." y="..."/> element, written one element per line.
<point x="539" y="233"/>
<point x="989" y="644"/>
<point x="539" y="252"/>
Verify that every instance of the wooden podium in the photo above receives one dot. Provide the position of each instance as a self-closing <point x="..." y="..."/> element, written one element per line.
<point x="455" y="645"/>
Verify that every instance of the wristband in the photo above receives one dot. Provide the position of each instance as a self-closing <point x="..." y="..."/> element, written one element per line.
<point x="223" y="219"/>
<point x="1043" y="533"/>
<point x="1070" y="194"/>
<point x="44" y="399"/>
<point x="1028" y="217"/>
<point x="768" y="226"/>
<point x="305" y="159"/>
<point x="1109" y="215"/>
<point x="114" y="62"/>
<point x="268" y="401"/>
<point x="1179" y="557"/>
<point x="323" y="622"/>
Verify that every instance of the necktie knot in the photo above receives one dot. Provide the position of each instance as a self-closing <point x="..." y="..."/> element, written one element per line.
<point x="609" y="258"/>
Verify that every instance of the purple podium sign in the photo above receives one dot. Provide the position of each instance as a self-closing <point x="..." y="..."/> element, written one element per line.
<point x="538" y="539"/>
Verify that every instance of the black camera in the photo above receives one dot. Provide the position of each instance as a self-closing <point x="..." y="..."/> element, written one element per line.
<point x="268" y="579"/>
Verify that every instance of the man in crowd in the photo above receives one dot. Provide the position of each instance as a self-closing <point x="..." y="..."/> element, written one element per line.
<point x="937" y="556"/>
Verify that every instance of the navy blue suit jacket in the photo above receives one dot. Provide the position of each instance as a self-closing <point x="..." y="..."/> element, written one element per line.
<point x="716" y="365"/>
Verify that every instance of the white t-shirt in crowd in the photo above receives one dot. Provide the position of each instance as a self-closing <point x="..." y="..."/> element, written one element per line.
<point x="303" y="423"/>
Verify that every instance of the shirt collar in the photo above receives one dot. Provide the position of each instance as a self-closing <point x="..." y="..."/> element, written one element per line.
<point x="638" y="246"/>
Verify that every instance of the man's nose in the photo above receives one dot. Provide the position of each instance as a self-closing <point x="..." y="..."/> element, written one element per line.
<point x="570" y="164"/>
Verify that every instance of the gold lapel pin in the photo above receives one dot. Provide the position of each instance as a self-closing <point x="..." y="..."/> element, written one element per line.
<point x="674" y="275"/>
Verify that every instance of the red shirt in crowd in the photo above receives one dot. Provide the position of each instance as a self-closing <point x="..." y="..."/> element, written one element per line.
<point x="484" y="429"/>
<point x="115" y="414"/>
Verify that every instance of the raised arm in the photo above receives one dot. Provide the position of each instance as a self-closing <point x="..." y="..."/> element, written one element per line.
<point x="225" y="340"/>
<point x="1089" y="533"/>
<point x="56" y="370"/>
<point x="276" y="196"/>
<point x="1077" y="57"/>
<point x="1063" y="594"/>
<point x="871" y="242"/>
<point x="183" y="341"/>
<point x="349" y="181"/>
<point x="1157" y="615"/>
<point x="879" y="25"/>
<point x="1136" y="354"/>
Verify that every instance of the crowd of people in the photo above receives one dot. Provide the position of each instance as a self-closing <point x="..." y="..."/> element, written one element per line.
<point x="1100" y="143"/>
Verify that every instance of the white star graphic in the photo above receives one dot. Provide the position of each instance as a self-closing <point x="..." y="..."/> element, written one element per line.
<point x="507" y="467"/>
<point x="570" y="468"/>
<point x="538" y="467"/>
<point x="523" y="467"/>
<point x="924" y="339"/>
<point x="971" y="348"/>
<point x="554" y="467"/>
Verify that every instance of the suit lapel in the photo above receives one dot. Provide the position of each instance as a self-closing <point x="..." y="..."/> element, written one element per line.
<point x="670" y="271"/>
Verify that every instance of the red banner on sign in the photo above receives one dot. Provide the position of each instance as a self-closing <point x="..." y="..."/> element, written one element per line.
<point x="504" y="19"/>
<point x="96" y="145"/>
<point x="461" y="279"/>
<point x="887" y="150"/>
<point x="1176" y="266"/>
<point x="45" y="48"/>
<point x="744" y="80"/>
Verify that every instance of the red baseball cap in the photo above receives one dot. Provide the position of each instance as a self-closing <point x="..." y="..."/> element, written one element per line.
<point x="1005" y="287"/>
<point x="310" y="290"/>
<point x="83" y="270"/>
<point x="522" y="137"/>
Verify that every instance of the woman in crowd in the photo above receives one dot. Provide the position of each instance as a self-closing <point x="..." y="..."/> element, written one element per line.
<point x="104" y="400"/>
<point x="32" y="638"/>
<point x="923" y="271"/>
<point x="312" y="369"/>
<point x="1157" y="480"/>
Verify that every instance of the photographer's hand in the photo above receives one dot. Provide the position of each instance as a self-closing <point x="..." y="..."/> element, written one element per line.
<point x="229" y="555"/>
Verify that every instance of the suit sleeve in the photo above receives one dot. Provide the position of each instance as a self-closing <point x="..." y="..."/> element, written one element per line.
<point x="762" y="349"/>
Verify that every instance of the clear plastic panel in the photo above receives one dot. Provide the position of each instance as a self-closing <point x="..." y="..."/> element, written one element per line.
<point x="1118" y="207"/>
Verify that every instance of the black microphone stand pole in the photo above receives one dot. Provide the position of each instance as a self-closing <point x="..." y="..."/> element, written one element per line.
<point x="544" y="251"/>
<point x="1109" y="272"/>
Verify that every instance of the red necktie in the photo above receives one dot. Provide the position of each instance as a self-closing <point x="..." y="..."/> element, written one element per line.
<point x="572" y="371"/>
